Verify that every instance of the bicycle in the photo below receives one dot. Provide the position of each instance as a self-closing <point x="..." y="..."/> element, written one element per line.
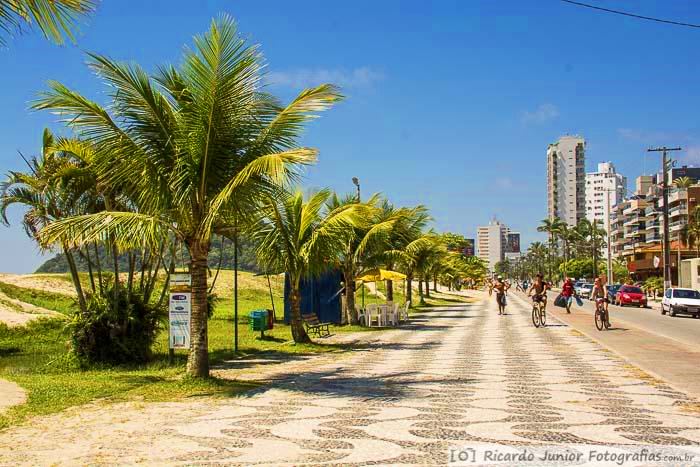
<point x="539" y="316"/>
<point x="602" y="317"/>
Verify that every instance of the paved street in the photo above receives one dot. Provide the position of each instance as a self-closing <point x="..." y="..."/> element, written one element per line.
<point x="456" y="376"/>
<point x="683" y="328"/>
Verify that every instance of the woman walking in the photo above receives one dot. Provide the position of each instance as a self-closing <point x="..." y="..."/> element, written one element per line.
<point x="567" y="291"/>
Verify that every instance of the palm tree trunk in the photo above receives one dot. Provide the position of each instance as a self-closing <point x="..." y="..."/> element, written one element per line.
<point x="99" y="268"/>
<point x="298" y="332"/>
<point x="198" y="361"/>
<point x="350" y="311"/>
<point x="76" y="278"/>
<point x="435" y="283"/>
<point x="409" y="287"/>
<point x="427" y="286"/>
<point x="389" y="291"/>
<point x="89" y="266"/>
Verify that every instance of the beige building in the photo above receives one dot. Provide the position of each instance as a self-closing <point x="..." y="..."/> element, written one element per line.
<point x="566" y="179"/>
<point x="491" y="242"/>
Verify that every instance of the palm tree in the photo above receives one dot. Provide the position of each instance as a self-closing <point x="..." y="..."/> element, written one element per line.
<point x="409" y="225"/>
<point x="46" y="201"/>
<point x="538" y="252"/>
<point x="360" y="241"/>
<point x="551" y="227"/>
<point x="55" y="18"/>
<point x="206" y="146"/>
<point x="296" y="237"/>
<point x="683" y="183"/>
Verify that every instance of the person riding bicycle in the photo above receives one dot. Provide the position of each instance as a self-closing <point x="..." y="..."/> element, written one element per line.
<point x="501" y="288"/>
<point x="599" y="293"/>
<point x="539" y="287"/>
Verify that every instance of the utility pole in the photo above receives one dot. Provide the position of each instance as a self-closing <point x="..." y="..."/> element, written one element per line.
<point x="595" y="249"/>
<point x="665" y="164"/>
<point x="607" y="228"/>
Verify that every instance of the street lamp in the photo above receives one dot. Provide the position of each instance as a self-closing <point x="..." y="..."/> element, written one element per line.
<point x="356" y="182"/>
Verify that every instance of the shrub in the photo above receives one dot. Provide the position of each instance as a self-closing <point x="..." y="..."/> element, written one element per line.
<point x="124" y="335"/>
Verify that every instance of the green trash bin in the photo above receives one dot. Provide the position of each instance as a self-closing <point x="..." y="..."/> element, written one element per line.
<point x="257" y="321"/>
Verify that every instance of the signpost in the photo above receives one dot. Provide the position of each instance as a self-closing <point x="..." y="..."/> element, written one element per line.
<point x="180" y="312"/>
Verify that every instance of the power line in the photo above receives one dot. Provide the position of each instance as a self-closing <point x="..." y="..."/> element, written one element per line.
<point x="617" y="12"/>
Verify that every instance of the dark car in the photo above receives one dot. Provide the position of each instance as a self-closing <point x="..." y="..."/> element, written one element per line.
<point x="630" y="295"/>
<point x="612" y="291"/>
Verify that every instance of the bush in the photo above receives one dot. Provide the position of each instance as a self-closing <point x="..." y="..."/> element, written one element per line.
<point x="124" y="335"/>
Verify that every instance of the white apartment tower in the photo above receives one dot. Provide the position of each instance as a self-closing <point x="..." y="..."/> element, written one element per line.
<point x="566" y="198"/>
<point x="491" y="242"/>
<point x="604" y="189"/>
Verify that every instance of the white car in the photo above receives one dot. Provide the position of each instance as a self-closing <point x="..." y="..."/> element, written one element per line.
<point x="677" y="301"/>
<point x="584" y="291"/>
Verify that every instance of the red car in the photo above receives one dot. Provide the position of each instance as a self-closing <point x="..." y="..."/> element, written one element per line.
<point x="630" y="295"/>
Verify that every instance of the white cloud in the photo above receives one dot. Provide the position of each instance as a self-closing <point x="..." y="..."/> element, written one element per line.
<point x="691" y="155"/>
<point x="304" y="78"/>
<point x="543" y="113"/>
<point x="504" y="183"/>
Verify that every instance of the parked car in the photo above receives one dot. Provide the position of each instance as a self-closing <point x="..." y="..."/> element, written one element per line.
<point x="612" y="291"/>
<point x="677" y="301"/>
<point x="584" y="291"/>
<point x="630" y="295"/>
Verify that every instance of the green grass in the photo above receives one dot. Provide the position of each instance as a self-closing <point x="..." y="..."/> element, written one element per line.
<point x="48" y="300"/>
<point x="37" y="357"/>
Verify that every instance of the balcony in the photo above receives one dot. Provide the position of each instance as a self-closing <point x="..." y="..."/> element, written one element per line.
<point x="673" y="196"/>
<point x="678" y="210"/>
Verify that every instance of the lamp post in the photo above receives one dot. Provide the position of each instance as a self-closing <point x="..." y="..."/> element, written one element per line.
<point x="356" y="182"/>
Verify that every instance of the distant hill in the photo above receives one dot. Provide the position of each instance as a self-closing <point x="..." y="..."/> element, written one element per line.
<point x="246" y="259"/>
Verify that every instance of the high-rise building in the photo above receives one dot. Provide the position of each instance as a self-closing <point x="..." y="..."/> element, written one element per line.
<point x="566" y="196"/>
<point x="604" y="190"/>
<point x="491" y="242"/>
<point x="637" y="226"/>
<point x="496" y="242"/>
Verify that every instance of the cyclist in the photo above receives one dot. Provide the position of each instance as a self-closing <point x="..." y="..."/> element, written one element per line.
<point x="501" y="289"/>
<point x="539" y="287"/>
<point x="599" y="293"/>
<point x="568" y="292"/>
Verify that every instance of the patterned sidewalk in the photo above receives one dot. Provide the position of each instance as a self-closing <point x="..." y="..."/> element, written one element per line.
<point x="456" y="376"/>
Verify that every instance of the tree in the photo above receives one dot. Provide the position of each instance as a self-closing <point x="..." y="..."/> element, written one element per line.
<point x="55" y="18"/>
<point x="207" y="144"/>
<point x="683" y="183"/>
<point x="552" y="227"/>
<point x="360" y="240"/>
<point x="296" y="237"/>
<point x="46" y="201"/>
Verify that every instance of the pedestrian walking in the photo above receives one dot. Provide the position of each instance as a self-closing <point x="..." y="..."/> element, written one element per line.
<point x="501" y="288"/>
<point x="568" y="292"/>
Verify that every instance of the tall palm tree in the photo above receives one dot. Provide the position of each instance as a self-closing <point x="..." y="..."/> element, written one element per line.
<point x="46" y="201"/>
<point x="360" y="240"/>
<point x="409" y="226"/>
<point x="55" y="18"/>
<point x="538" y="252"/>
<point x="295" y="236"/>
<point x="196" y="148"/>
<point x="552" y="227"/>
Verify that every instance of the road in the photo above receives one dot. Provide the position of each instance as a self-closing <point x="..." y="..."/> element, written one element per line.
<point x="682" y="328"/>
<point x="453" y="377"/>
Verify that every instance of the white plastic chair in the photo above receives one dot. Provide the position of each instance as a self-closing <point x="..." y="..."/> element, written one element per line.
<point x="371" y="313"/>
<point x="403" y="312"/>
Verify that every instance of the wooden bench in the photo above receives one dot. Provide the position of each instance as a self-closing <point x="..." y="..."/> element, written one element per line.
<point x="314" y="326"/>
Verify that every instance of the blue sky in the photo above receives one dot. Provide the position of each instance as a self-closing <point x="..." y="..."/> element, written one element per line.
<point x="450" y="103"/>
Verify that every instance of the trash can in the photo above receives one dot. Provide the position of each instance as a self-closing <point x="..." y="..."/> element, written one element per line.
<point x="257" y="320"/>
<point x="270" y="319"/>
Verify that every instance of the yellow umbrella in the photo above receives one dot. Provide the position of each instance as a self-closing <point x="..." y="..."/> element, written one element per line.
<point x="376" y="275"/>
